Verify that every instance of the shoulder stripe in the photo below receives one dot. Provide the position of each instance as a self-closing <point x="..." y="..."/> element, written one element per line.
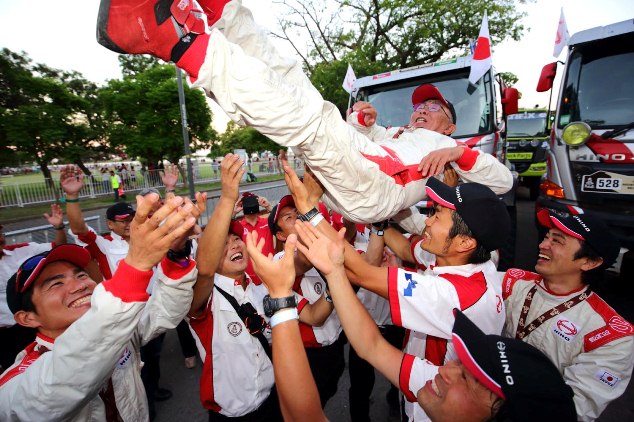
<point x="616" y="326"/>
<point x="31" y="356"/>
<point x="469" y="289"/>
<point x="403" y="379"/>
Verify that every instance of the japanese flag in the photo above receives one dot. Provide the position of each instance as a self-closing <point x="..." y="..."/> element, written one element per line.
<point x="349" y="80"/>
<point x="562" y="36"/>
<point x="482" y="56"/>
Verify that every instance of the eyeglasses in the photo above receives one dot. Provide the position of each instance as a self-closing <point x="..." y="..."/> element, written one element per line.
<point x="31" y="265"/>
<point x="124" y="221"/>
<point x="433" y="107"/>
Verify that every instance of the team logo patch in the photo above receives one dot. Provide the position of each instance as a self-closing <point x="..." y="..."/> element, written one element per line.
<point x="565" y="329"/>
<point x="125" y="359"/>
<point x="516" y="272"/>
<point x="318" y="288"/>
<point x="411" y="284"/>
<point x="234" y="328"/>
<point x="607" y="378"/>
<point x="618" y="324"/>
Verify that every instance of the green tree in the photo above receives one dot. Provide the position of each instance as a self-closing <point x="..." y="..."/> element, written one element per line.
<point x="381" y="35"/>
<point x="42" y="114"/>
<point x="143" y="115"/>
<point x="236" y="137"/>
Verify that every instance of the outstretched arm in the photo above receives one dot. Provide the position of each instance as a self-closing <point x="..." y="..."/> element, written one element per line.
<point x="72" y="181"/>
<point x="295" y="385"/>
<point x="306" y="196"/>
<point x="212" y="242"/>
<point x="56" y="219"/>
<point x="328" y="256"/>
<point x="169" y="178"/>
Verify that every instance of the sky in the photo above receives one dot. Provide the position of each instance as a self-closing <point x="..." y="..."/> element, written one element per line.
<point x="61" y="34"/>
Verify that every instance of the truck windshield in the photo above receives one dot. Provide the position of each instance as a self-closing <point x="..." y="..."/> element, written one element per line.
<point x="520" y="125"/>
<point x="599" y="87"/>
<point x="473" y="109"/>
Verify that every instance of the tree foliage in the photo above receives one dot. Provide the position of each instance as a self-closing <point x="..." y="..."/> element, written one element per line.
<point x="45" y="113"/>
<point x="143" y="114"/>
<point x="380" y="35"/>
<point x="236" y="137"/>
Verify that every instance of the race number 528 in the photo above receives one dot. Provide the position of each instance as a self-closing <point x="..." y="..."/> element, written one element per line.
<point x="608" y="183"/>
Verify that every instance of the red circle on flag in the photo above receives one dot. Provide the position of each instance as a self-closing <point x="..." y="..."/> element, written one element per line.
<point x="483" y="49"/>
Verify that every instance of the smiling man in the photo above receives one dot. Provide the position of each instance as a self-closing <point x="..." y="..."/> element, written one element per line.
<point x="84" y="364"/>
<point x="456" y="246"/>
<point x="235" y="62"/>
<point x="556" y="310"/>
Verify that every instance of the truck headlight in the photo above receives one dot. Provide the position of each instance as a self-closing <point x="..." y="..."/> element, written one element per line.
<point x="576" y="133"/>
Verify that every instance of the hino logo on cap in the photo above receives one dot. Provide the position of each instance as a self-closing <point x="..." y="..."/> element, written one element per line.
<point x="458" y="194"/>
<point x="506" y="367"/>
<point x="580" y="221"/>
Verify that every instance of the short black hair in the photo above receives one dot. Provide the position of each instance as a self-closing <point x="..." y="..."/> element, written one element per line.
<point x="460" y="228"/>
<point x="596" y="275"/>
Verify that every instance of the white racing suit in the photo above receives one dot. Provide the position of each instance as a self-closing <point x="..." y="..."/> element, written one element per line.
<point x="61" y="379"/>
<point x="364" y="180"/>
<point x="591" y="345"/>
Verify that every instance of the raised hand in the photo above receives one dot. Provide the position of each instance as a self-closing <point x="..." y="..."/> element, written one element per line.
<point x="71" y="179"/>
<point x="367" y="110"/>
<point x="56" y="218"/>
<point x="170" y="177"/>
<point x="278" y="276"/>
<point x="231" y="172"/>
<point x="325" y="254"/>
<point x="304" y="199"/>
<point x="149" y="239"/>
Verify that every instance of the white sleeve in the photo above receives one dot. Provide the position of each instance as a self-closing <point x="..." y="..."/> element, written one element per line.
<point x="64" y="380"/>
<point x="171" y="298"/>
<point x="479" y="167"/>
<point x="374" y="132"/>
<point x="421" y="302"/>
<point x="600" y="376"/>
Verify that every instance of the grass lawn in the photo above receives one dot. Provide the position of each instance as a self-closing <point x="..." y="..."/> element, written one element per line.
<point x="10" y="214"/>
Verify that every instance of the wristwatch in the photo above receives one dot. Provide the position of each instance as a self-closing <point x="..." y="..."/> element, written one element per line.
<point x="309" y="215"/>
<point x="271" y="305"/>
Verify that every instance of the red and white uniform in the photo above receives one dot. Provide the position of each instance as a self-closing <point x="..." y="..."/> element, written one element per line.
<point x="107" y="250"/>
<point x="590" y="343"/>
<point x="424" y="302"/>
<point x="55" y="380"/>
<point x="237" y="374"/>
<point x="11" y="257"/>
<point x="241" y="64"/>
<point x="415" y="372"/>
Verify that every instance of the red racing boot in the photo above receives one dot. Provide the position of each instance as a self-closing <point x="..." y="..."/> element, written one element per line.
<point x="166" y="29"/>
<point x="213" y="9"/>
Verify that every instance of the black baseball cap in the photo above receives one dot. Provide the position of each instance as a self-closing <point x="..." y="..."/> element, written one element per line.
<point x="250" y="203"/>
<point x="286" y="201"/>
<point x="31" y="268"/>
<point x="530" y="384"/>
<point x="119" y="211"/>
<point x="483" y="212"/>
<point x="430" y="92"/>
<point x="588" y="228"/>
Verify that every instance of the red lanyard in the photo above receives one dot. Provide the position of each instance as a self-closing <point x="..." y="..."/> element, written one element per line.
<point x="523" y="331"/>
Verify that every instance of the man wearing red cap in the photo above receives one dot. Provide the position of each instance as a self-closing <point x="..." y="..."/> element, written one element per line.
<point x="235" y="63"/>
<point x="84" y="363"/>
<point x="14" y="337"/>
<point x="556" y="311"/>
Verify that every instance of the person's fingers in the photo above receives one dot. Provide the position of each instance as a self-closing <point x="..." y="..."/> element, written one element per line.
<point x="46" y="216"/>
<point x="143" y="207"/>
<point x="174" y="220"/>
<point x="303" y="234"/>
<point x="167" y="209"/>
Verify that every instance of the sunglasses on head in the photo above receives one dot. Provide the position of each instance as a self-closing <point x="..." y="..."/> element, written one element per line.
<point x="30" y="264"/>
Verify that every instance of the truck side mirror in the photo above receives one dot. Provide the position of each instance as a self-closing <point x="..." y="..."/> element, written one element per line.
<point x="509" y="100"/>
<point x="547" y="77"/>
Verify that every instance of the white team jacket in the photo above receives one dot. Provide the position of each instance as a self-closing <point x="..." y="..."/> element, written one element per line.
<point x="63" y="383"/>
<point x="590" y="343"/>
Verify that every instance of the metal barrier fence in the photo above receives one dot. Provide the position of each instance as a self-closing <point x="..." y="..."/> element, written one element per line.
<point x="45" y="234"/>
<point x="21" y="194"/>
